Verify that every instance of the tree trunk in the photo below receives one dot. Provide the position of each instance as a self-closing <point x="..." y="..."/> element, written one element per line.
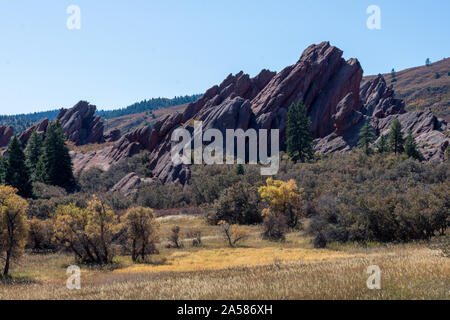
<point x="8" y="257"/>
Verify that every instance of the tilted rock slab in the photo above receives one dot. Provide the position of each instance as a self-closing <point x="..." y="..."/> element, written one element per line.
<point x="329" y="86"/>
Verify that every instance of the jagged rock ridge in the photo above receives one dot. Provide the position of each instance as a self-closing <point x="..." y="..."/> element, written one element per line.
<point x="79" y="123"/>
<point x="330" y="89"/>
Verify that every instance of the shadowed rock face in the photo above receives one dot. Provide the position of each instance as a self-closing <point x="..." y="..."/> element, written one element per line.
<point x="80" y="125"/>
<point x="327" y="84"/>
<point x="378" y="99"/>
<point x="40" y="128"/>
<point x="321" y="79"/>
<point x="129" y="184"/>
<point x="5" y="135"/>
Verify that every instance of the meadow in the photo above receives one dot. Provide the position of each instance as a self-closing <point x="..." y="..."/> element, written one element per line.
<point x="255" y="269"/>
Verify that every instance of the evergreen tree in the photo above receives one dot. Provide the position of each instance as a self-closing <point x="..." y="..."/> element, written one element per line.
<point x="411" y="148"/>
<point x="3" y="166"/>
<point x="394" y="75"/>
<point x="383" y="146"/>
<point x="366" y="137"/>
<point x="16" y="173"/>
<point x="396" y="141"/>
<point x="56" y="166"/>
<point x="299" y="136"/>
<point x="33" y="152"/>
<point x="428" y="62"/>
<point x="240" y="170"/>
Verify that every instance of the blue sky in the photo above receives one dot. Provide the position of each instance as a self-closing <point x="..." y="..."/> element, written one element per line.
<point x="131" y="50"/>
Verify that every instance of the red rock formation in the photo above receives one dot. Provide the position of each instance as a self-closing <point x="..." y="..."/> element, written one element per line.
<point x="40" y="128"/>
<point x="327" y="84"/>
<point x="321" y="79"/>
<point x="129" y="184"/>
<point x="378" y="99"/>
<point x="5" y="135"/>
<point x="80" y="125"/>
<point x="113" y="135"/>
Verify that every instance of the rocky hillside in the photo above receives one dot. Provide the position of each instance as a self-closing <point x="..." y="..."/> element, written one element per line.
<point x="423" y="87"/>
<point x="338" y="102"/>
<point x="80" y="124"/>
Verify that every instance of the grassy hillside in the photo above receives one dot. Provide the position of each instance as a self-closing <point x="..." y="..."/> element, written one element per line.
<point x="129" y="122"/>
<point x="424" y="87"/>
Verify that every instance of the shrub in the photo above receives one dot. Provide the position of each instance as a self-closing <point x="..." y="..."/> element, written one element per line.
<point x="174" y="238"/>
<point x="233" y="234"/>
<point x="89" y="233"/>
<point x="196" y="234"/>
<point x="141" y="231"/>
<point x="275" y="227"/>
<point x="40" y="235"/>
<point x="238" y="204"/>
<point x="283" y="198"/>
<point x="45" y="191"/>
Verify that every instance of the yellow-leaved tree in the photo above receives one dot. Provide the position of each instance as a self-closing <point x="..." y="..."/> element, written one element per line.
<point x="88" y="232"/>
<point x="283" y="199"/>
<point x="141" y="230"/>
<point x="13" y="226"/>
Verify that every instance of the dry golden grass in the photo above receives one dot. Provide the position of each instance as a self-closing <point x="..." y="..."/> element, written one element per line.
<point x="256" y="270"/>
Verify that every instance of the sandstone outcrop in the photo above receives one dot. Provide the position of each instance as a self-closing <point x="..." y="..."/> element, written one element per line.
<point x="40" y="128"/>
<point x="330" y="88"/>
<point x="129" y="184"/>
<point x="80" y="124"/>
<point x="378" y="99"/>
<point x="6" y="132"/>
<point x="113" y="135"/>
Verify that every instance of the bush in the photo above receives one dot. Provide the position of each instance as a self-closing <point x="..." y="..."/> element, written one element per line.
<point x="196" y="236"/>
<point x="283" y="198"/>
<point x="45" y="191"/>
<point x="233" y="234"/>
<point x="275" y="227"/>
<point x="174" y="238"/>
<point x="40" y="235"/>
<point x="239" y="204"/>
<point x="165" y="196"/>
<point x="141" y="232"/>
<point x="89" y="233"/>
<point x="383" y="216"/>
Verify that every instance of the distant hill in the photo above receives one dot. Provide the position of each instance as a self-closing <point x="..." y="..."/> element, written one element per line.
<point x="21" y="122"/>
<point x="130" y="122"/>
<point x="148" y="105"/>
<point x="424" y="87"/>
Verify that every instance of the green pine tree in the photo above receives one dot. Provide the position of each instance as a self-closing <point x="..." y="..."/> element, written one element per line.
<point x="383" y="146"/>
<point x="16" y="174"/>
<point x="3" y="166"/>
<point x="33" y="152"/>
<point x="299" y="137"/>
<point x="396" y="141"/>
<point x="411" y="148"/>
<point x="240" y="170"/>
<point x="366" y="137"/>
<point x="56" y="166"/>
